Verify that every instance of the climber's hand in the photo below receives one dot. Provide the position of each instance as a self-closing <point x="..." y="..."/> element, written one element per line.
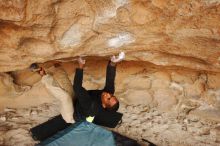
<point x="119" y="58"/>
<point x="81" y="62"/>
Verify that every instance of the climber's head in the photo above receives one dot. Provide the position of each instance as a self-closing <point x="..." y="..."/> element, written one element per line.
<point x="109" y="101"/>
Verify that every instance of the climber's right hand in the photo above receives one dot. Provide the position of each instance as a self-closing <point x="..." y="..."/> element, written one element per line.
<point x="81" y="62"/>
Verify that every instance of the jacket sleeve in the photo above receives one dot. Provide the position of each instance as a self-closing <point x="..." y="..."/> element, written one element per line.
<point x="110" y="79"/>
<point x="81" y="93"/>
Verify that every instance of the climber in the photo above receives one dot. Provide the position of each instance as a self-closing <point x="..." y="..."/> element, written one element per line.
<point x="97" y="106"/>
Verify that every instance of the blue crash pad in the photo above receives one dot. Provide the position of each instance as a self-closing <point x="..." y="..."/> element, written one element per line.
<point x="81" y="134"/>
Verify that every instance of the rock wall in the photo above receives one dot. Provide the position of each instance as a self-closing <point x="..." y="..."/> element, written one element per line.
<point x="158" y="103"/>
<point x="172" y="60"/>
<point x="182" y="33"/>
<point x="168" y="89"/>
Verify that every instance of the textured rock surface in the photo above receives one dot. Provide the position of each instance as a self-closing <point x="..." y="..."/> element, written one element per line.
<point x="169" y="86"/>
<point x="158" y="103"/>
<point x="137" y="83"/>
<point x="164" y="32"/>
<point x="139" y="122"/>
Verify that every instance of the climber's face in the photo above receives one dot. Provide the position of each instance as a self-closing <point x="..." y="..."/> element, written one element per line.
<point x="108" y="100"/>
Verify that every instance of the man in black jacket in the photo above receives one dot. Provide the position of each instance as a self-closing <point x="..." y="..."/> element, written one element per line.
<point x="97" y="106"/>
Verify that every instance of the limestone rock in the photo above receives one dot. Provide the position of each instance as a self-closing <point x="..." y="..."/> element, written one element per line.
<point x="212" y="82"/>
<point x="159" y="103"/>
<point x="161" y="80"/>
<point x="136" y="97"/>
<point x="195" y="90"/>
<point x="165" y="99"/>
<point x="212" y="98"/>
<point x="207" y="113"/>
<point x="184" y="77"/>
<point x="215" y="134"/>
<point x="25" y="77"/>
<point x="8" y="88"/>
<point x="137" y="82"/>
<point x="166" y="33"/>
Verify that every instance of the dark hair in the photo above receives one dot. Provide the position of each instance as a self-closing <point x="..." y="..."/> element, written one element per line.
<point x="114" y="108"/>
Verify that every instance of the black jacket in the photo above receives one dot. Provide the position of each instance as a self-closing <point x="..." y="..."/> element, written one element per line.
<point x="88" y="102"/>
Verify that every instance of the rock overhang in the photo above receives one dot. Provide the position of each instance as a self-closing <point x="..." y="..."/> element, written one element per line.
<point x="166" y="33"/>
